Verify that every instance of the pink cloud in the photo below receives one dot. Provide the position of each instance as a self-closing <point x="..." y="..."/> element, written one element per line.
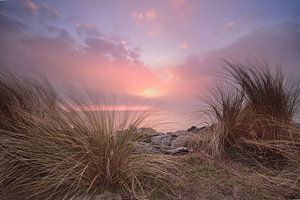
<point x="137" y="16"/>
<point x="30" y="6"/>
<point x="178" y="3"/>
<point x="147" y="15"/>
<point x="184" y="45"/>
<point x="112" y="108"/>
<point x="189" y="79"/>
<point x="150" y="14"/>
<point x="182" y="7"/>
<point x="38" y="9"/>
<point x="154" y="33"/>
<point x="111" y="62"/>
<point x="108" y="63"/>
<point x="228" y="27"/>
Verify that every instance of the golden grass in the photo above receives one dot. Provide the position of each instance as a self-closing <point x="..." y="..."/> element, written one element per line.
<point x="260" y="112"/>
<point x="224" y="111"/>
<point x="50" y="151"/>
<point x="255" y="123"/>
<point x="267" y="92"/>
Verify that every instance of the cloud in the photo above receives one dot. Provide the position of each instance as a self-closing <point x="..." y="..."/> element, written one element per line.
<point x="155" y="33"/>
<point x="184" y="45"/>
<point x="276" y="44"/>
<point x="147" y="15"/>
<point x="137" y="16"/>
<point x="11" y="26"/>
<point x="28" y="8"/>
<point x="152" y="34"/>
<point x="245" y="22"/>
<point x="228" y="27"/>
<point x="251" y="17"/>
<point x="182" y="7"/>
<point x="108" y="63"/>
<point x="89" y="30"/>
<point x="150" y="14"/>
<point x="178" y="3"/>
<point x="43" y="9"/>
<point x="112" y="49"/>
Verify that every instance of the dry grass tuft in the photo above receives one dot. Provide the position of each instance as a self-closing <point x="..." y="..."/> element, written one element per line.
<point x="259" y="113"/>
<point x="267" y="92"/>
<point x="224" y="111"/>
<point x="51" y="151"/>
<point x="255" y="124"/>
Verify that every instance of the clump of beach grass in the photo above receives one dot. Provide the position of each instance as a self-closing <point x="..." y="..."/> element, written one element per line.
<point x="224" y="111"/>
<point x="49" y="150"/>
<point x="255" y="122"/>
<point x="259" y="112"/>
<point x="266" y="90"/>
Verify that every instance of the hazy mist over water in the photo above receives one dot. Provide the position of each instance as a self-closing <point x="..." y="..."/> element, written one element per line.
<point x="172" y="120"/>
<point x="162" y="120"/>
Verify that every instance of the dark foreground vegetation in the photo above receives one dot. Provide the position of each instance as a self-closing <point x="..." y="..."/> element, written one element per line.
<point x="251" y="150"/>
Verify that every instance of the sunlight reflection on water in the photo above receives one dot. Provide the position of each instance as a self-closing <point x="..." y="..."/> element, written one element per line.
<point x="168" y="120"/>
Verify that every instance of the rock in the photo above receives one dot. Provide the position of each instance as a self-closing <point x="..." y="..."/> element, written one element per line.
<point x="171" y="143"/>
<point x="180" y="141"/>
<point x="192" y="128"/>
<point x="202" y="129"/>
<point x="163" y="139"/>
<point x="195" y="129"/>
<point x="173" y="151"/>
<point x="178" y="133"/>
<point x="186" y="140"/>
<point x="148" y="131"/>
<point x="144" y="147"/>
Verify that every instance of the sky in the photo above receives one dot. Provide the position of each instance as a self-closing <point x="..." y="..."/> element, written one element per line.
<point x="158" y="52"/>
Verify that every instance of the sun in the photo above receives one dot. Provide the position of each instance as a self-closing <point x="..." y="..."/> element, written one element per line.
<point x="150" y="93"/>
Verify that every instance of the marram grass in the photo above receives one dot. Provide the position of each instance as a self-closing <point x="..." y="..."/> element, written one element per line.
<point x="51" y="151"/>
<point x="258" y="116"/>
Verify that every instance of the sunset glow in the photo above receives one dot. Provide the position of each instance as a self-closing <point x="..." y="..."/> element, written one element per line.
<point x="111" y="108"/>
<point x="165" y="52"/>
<point x="151" y="93"/>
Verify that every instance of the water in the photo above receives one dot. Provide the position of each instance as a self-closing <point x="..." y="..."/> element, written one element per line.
<point x="162" y="120"/>
<point x="171" y="120"/>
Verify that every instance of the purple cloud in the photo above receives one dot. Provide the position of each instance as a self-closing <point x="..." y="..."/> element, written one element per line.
<point x="28" y="8"/>
<point x="88" y="30"/>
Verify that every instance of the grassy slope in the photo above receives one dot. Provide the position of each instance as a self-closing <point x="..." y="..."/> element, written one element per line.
<point x="206" y="178"/>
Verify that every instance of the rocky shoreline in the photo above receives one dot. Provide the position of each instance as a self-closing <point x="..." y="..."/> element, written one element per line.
<point x="172" y="143"/>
